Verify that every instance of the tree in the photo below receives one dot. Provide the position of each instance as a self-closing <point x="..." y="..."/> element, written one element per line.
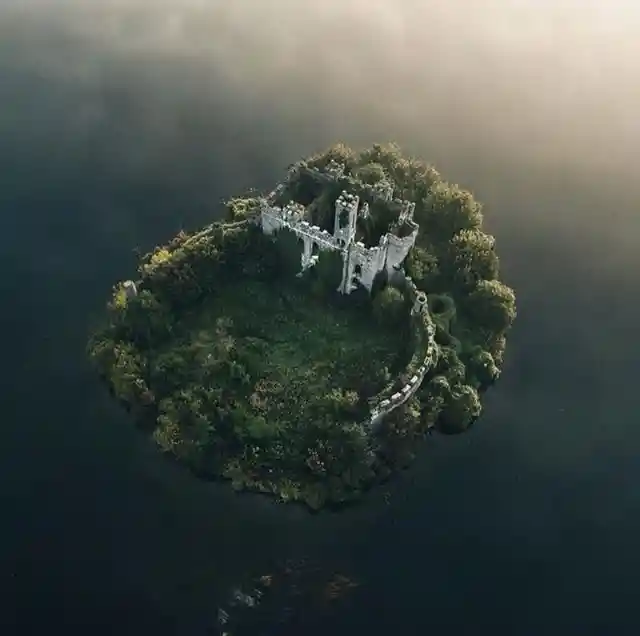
<point x="127" y="373"/>
<point x="433" y="394"/>
<point x="239" y="208"/>
<point x="443" y="310"/>
<point x="482" y="370"/>
<point x="101" y="350"/>
<point x="470" y="257"/>
<point x="389" y="307"/>
<point x="339" y="153"/>
<point x="346" y="447"/>
<point x="450" y="366"/>
<point x="170" y="370"/>
<point x="449" y="210"/>
<point x="340" y="403"/>
<point x="184" y="427"/>
<point x="461" y="410"/>
<point x="387" y="155"/>
<point x="322" y="207"/>
<point x="289" y="248"/>
<point x="327" y="272"/>
<point x="412" y="178"/>
<point x="147" y="320"/>
<point x="370" y="173"/>
<point x="491" y="305"/>
<point x="376" y="378"/>
<point x="423" y="266"/>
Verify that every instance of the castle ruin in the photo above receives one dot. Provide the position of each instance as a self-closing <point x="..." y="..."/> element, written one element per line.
<point x="361" y="264"/>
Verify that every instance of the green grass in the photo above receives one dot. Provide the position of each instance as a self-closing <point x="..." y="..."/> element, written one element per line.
<point x="292" y="346"/>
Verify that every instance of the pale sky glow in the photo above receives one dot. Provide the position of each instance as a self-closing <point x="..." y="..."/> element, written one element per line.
<point x="558" y="77"/>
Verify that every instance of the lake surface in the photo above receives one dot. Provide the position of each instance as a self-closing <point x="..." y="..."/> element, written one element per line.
<point x="526" y="525"/>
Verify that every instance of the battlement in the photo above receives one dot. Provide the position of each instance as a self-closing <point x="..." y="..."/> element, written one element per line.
<point x="322" y="238"/>
<point x="361" y="263"/>
<point x="293" y="212"/>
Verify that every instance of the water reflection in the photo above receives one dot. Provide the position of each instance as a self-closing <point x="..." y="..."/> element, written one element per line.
<point x="291" y="596"/>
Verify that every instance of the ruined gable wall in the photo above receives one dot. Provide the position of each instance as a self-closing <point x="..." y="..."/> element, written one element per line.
<point x="369" y="261"/>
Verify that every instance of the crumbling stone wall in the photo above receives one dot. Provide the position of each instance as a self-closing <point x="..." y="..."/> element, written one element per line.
<point x="361" y="264"/>
<point x="425" y="357"/>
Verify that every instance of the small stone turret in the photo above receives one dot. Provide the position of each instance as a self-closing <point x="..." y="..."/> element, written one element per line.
<point x="420" y="303"/>
<point x="130" y="289"/>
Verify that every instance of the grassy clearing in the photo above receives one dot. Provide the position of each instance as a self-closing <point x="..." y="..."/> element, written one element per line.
<point x="293" y="348"/>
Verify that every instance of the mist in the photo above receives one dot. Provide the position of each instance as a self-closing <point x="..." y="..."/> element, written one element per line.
<point x="123" y="121"/>
<point x="510" y="87"/>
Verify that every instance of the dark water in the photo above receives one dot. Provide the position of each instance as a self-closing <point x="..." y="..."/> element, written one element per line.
<point x="526" y="525"/>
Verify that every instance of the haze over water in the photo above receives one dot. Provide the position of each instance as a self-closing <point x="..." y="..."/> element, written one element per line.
<point x="123" y="121"/>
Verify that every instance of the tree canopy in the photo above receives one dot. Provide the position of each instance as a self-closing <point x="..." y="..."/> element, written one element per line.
<point x="243" y="367"/>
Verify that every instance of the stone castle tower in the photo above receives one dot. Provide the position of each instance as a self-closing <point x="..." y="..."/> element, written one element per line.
<point x="344" y="229"/>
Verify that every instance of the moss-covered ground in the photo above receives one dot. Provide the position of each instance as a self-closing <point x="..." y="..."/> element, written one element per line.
<point x="287" y="343"/>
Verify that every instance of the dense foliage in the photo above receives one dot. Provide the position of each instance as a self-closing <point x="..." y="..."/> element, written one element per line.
<point x="241" y="369"/>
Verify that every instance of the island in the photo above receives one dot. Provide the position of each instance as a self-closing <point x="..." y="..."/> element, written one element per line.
<point x="305" y="343"/>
